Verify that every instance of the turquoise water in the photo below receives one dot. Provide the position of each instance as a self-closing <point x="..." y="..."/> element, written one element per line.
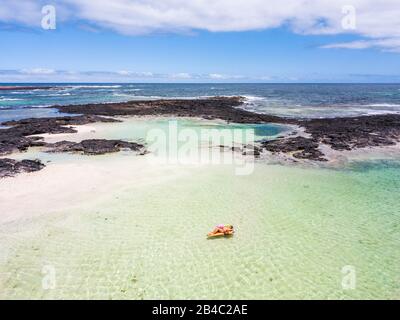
<point x="297" y="229"/>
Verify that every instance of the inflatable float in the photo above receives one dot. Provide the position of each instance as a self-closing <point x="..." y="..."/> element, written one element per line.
<point x="220" y="234"/>
<point x="221" y="231"/>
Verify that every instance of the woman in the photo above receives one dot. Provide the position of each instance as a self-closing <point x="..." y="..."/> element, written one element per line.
<point x="221" y="229"/>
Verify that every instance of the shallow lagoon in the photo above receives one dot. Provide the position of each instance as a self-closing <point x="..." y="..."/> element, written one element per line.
<point x="296" y="229"/>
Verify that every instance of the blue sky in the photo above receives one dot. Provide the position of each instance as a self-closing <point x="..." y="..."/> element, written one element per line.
<point x="82" y="48"/>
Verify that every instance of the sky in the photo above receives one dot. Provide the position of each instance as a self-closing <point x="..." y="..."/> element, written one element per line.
<point x="200" y="41"/>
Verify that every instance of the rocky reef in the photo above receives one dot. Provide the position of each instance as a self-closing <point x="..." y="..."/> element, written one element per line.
<point x="11" y="167"/>
<point x="18" y="136"/>
<point x="338" y="133"/>
<point x="223" y="108"/>
<point x="355" y="132"/>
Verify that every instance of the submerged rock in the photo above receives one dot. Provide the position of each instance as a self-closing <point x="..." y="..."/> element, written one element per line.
<point x="95" y="146"/>
<point x="11" y="167"/>
<point x="300" y="147"/>
<point x="250" y="150"/>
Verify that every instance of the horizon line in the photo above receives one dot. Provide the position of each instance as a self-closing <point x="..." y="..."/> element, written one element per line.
<point x="214" y="83"/>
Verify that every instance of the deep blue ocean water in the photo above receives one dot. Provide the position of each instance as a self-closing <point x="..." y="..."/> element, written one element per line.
<point x="293" y="100"/>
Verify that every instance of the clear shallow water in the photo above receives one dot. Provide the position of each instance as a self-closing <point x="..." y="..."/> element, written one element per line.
<point x="296" y="100"/>
<point x="296" y="229"/>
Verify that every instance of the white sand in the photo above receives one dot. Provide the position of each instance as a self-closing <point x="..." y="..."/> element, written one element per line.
<point x="64" y="185"/>
<point x="68" y="180"/>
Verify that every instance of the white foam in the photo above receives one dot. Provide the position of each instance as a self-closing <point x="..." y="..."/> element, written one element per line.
<point x="250" y="98"/>
<point x="94" y="86"/>
<point x="38" y="106"/>
<point x="10" y="99"/>
<point x="55" y="94"/>
<point x="383" y="105"/>
<point x="21" y="92"/>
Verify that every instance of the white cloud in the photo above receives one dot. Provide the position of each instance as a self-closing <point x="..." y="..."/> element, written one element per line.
<point x="38" y="71"/>
<point x="376" y="20"/>
<point x="135" y="74"/>
<point x="26" y="12"/>
<point x="216" y="76"/>
<point x="266" y="78"/>
<point x="182" y="75"/>
<point x="146" y="74"/>
<point x="124" y="73"/>
<point x="51" y="75"/>
<point x="391" y="44"/>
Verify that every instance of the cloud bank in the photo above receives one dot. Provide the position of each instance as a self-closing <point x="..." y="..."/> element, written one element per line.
<point x="125" y="76"/>
<point x="51" y="75"/>
<point x="376" y="21"/>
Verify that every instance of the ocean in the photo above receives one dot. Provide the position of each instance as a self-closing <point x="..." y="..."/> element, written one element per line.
<point x="291" y="100"/>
